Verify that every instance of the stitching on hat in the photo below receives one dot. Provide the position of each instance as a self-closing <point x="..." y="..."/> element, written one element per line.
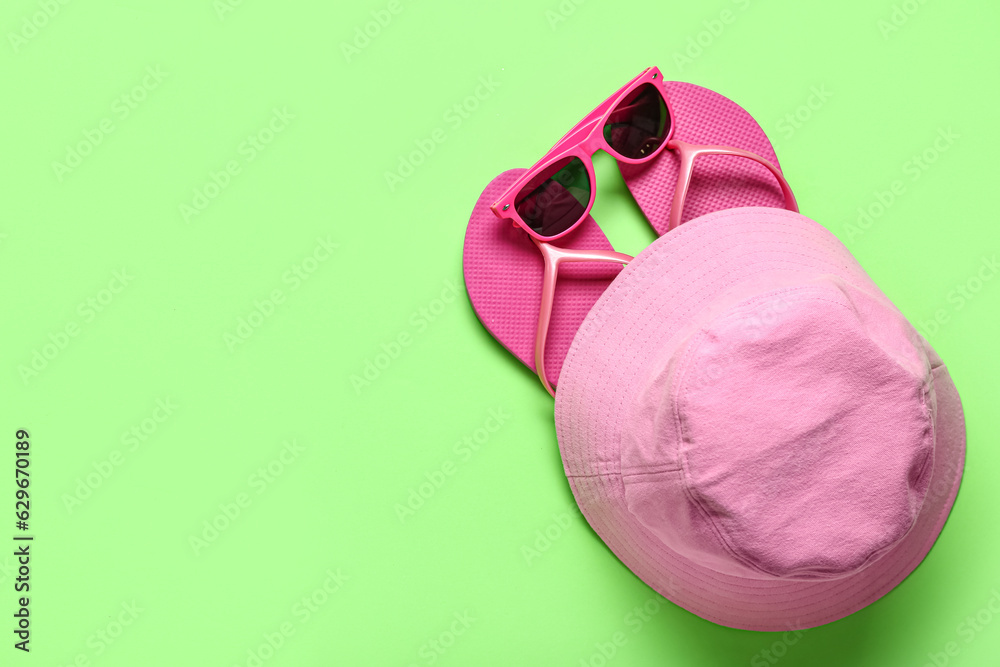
<point x="642" y="472"/>
<point x="931" y="418"/>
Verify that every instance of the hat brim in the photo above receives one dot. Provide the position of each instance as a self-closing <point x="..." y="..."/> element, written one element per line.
<point x="641" y="315"/>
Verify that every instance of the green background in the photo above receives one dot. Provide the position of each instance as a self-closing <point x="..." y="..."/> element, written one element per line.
<point x="118" y="576"/>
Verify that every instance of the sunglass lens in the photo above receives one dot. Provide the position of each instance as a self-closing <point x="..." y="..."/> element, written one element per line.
<point x="556" y="198"/>
<point x="639" y="124"/>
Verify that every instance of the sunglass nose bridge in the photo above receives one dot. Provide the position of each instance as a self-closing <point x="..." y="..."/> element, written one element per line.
<point x="584" y="130"/>
<point x="594" y="143"/>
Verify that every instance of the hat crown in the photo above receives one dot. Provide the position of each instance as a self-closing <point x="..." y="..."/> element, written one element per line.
<point x="794" y="435"/>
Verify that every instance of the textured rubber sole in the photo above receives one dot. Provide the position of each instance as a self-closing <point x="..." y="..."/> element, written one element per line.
<point x="503" y="277"/>
<point x="703" y="116"/>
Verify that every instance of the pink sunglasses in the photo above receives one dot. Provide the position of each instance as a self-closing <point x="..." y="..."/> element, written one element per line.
<point x="554" y="196"/>
<point x="634" y="125"/>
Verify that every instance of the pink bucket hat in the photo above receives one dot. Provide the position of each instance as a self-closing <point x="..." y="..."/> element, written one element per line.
<point x="754" y="429"/>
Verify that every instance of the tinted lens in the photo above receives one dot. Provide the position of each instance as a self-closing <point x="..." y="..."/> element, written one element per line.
<point x="639" y="124"/>
<point x="556" y="198"/>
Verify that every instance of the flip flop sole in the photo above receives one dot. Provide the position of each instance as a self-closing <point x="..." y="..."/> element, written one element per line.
<point x="703" y="116"/>
<point x="503" y="278"/>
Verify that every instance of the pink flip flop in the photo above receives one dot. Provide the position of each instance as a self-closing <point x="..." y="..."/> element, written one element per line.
<point x="503" y="277"/>
<point x="703" y="116"/>
<point x="504" y="267"/>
